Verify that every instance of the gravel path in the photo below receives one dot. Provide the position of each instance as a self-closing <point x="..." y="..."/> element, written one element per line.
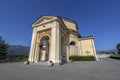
<point x="104" y="69"/>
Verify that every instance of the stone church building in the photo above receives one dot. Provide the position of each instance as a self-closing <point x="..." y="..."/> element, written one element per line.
<point x="55" y="39"/>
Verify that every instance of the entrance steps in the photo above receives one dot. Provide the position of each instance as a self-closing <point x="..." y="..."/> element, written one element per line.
<point x="40" y="63"/>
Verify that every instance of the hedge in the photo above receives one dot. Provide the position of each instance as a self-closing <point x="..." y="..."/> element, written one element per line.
<point x="82" y="58"/>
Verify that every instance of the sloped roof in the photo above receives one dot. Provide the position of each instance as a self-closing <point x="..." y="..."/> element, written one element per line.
<point x="48" y="18"/>
<point x="42" y="18"/>
<point x="52" y="17"/>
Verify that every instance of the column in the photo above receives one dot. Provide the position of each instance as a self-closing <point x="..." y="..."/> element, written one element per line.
<point x="31" y="53"/>
<point x="36" y="58"/>
<point x="53" y="41"/>
<point x="58" y="44"/>
<point x="68" y="49"/>
<point x="55" y="44"/>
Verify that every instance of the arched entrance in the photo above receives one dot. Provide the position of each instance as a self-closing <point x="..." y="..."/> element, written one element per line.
<point x="72" y="43"/>
<point x="44" y="48"/>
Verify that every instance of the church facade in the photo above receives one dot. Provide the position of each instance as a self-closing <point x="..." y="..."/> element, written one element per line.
<point x="56" y="39"/>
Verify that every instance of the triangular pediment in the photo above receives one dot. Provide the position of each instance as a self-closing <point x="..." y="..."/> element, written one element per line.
<point x="43" y="19"/>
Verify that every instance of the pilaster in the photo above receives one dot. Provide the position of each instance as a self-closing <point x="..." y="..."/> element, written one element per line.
<point x="31" y="53"/>
<point x="36" y="56"/>
<point x="68" y="49"/>
<point x="58" y="44"/>
<point x="55" y="44"/>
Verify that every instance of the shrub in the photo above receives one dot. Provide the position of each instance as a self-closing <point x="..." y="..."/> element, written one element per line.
<point x="118" y="48"/>
<point x="82" y="58"/>
<point x="75" y="58"/>
<point x="14" y="58"/>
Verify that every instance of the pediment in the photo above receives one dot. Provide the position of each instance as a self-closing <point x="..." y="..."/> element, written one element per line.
<point x="43" y="19"/>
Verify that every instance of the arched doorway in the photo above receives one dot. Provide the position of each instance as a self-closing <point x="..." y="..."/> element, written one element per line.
<point x="44" y="48"/>
<point x="73" y="48"/>
<point x="72" y="43"/>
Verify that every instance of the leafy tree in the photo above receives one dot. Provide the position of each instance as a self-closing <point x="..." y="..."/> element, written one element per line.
<point x="118" y="48"/>
<point x="3" y="48"/>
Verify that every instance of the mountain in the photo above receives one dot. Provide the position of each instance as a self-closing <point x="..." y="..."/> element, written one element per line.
<point x="24" y="50"/>
<point x="18" y="50"/>
<point x="104" y="51"/>
<point x="112" y="50"/>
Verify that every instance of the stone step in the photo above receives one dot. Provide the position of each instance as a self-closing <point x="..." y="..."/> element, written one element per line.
<point x="40" y="63"/>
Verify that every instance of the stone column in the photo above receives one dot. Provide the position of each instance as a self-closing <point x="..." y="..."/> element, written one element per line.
<point x="55" y="43"/>
<point x="31" y="53"/>
<point x="36" y="58"/>
<point x="58" y="44"/>
<point x="47" y="52"/>
<point x="68" y="49"/>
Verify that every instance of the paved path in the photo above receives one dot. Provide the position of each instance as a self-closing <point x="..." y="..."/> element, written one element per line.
<point x="105" y="69"/>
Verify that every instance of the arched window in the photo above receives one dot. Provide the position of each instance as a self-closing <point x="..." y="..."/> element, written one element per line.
<point x="72" y="43"/>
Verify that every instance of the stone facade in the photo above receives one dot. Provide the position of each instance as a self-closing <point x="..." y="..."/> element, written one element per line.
<point x="55" y="39"/>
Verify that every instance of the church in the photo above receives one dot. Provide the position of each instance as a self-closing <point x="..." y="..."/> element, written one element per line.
<point x="55" y="39"/>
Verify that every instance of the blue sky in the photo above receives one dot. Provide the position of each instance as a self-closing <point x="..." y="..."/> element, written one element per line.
<point x="100" y="18"/>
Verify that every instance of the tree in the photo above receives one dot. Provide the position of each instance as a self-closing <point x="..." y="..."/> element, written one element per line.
<point x="118" y="48"/>
<point x="3" y="48"/>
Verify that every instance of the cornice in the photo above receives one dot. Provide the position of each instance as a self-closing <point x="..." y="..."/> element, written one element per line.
<point x="86" y="37"/>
